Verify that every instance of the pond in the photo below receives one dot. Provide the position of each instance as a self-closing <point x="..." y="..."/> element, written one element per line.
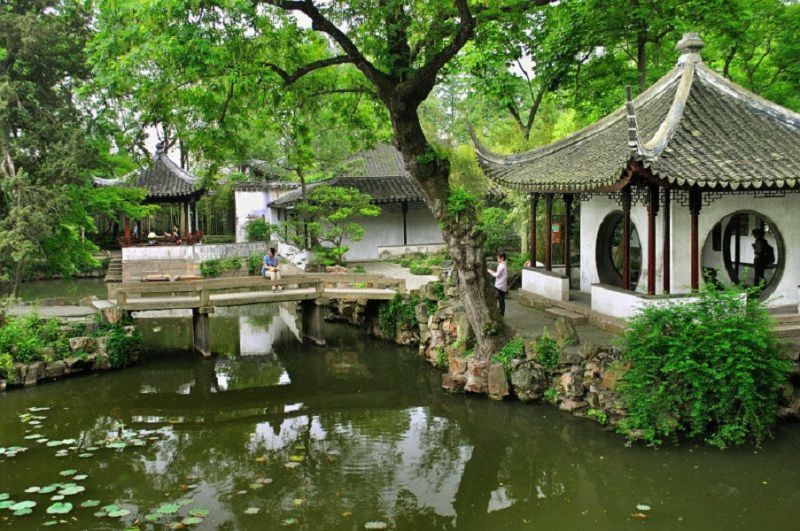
<point x="351" y="436"/>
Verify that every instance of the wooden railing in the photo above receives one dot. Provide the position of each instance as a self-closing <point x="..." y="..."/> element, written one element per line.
<point x="200" y="291"/>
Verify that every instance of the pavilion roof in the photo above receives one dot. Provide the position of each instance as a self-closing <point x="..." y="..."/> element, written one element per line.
<point x="691" y="128"/>
<point x="163" y="179"/>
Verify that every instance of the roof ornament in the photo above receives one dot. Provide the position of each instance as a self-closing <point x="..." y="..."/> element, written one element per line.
<point x="633" y="125"/>
<point x="159" y="148"/>
<point x="689" y="47"/>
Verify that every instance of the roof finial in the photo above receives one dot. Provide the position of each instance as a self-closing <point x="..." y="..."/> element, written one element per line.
<point x="689" y="47"/>
<point x="633" y="126"/>
<point x="160" y="148"/>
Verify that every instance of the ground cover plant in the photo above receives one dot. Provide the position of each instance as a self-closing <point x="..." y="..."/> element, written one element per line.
<point x="708" y="369"/>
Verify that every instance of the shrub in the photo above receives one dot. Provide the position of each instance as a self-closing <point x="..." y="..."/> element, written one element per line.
<point x="599" y="415"/>
<point x="359" y="269"/>
<point x="500" y="231"/>
<point x="121" y="343"/>
<point x="214" y="268"/>
<point x="706" y="369"/>
<point x="514" y="349"/>
<point x="418" y="268"/>
<point x="547" y="350"/>
<point x="258" y="230"/>
<point x="441" y="358"/>
<point x="30" y="339"/>
<point x="254" y="263"/>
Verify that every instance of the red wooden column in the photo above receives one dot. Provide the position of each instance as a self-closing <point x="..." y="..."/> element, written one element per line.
<point x="652" y="209"/>
<point x="127" y="229"/>
<point x="567" y="232"/>
<point x="667" y="243"/>
<point x="695" y="203"/>
<point x="548" y="257"/>
<point x="626" y="237"/>
<point x="532" y="235"/>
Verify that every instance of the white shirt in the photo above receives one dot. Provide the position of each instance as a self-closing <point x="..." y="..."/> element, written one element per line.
<point x="501" y="277"/>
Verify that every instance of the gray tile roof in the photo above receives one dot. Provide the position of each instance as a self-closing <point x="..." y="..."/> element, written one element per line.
<point x="692" y="128"/>
<point x="163" y="180"/>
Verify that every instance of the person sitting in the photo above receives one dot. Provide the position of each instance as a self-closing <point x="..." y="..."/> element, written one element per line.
<point x="271" y="266"/>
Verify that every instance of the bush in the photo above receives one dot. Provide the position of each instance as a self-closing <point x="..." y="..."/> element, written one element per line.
<point x="547" y="351"/>
<point x="514" y="349"/>
<point x="214" y="268"/>
<point x="254" y="263"/>
<point x="420" y="269"/>
<point x="32" y="339"/>
<point x="500" y="231"/>
<point x="258" y="230"/>
<point x="708" y="369"/>
<point x="121" y="344"/>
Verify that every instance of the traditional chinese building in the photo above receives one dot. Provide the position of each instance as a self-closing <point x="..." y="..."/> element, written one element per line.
<point x="671" y="188"/>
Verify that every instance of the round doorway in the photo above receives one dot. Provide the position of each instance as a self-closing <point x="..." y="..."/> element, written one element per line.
<point x="747" y="248"/>
<point x="609" y="251"/>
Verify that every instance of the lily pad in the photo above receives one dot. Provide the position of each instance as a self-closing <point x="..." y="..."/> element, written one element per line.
<point x="5" y="504"/>
<point x="30" y="490"/>
<point x="100" y="514"/>
<point x="59" y="508"/>
<point x="50" y="488"/>
<point x="252" y="510"/>
<point x="119" y="513"/>
<point x="85" y="455"/>
<point x="185" y="501"/>
<point x="27" y="504"/>
<point x="288" y="521"/>
<point x="80" y="477"/>
<point x="90" y="503"/>
<point x="71" y="491"/>
<point x="643" y="507"/>
<point x="50" y="523"/>
<point x="4" y="496"/>
<point x="153" y="517"/>
<point x="68" y="472"/>
<point x="168" y="508"/>
<point x="22" y="512"/>
<point x="297" y="502"/>
<point x="116" y="445"/>
<point x="33" y="436"/>
<point x="110" y="508"/>
<point x="200" y="512"/>
<point x="296" y="458"/>
<point x="57" y="497"/>
<point x="376" y="525"/>
<point x="255" y="486"/>
<point x="192" y="520"/>
<point x="291" y="464"/>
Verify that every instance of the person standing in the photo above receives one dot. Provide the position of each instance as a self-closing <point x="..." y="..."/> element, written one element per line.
<point x="501" y="281"/>
<point x="763" y="256"/>
<point x="271" y="266"/>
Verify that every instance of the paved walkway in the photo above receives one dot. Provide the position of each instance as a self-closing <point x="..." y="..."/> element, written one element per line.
<point x="529" y="322"/>
<point x="395" y="271"/>
<point x="47" y="312"/>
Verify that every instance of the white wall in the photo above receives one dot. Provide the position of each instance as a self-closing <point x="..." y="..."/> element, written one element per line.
<point x="248" y="204"/>
<point x="782" y="211"/>
<point x="387" y="230"/>
<point x="551" y="285"/>
<point x="193" y="253"/>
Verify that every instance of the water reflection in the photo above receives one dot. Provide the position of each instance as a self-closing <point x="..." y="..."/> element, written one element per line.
<point x="360" y="431"/>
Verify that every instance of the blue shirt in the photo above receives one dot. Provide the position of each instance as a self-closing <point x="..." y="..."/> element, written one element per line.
<point x="270" y="262"/>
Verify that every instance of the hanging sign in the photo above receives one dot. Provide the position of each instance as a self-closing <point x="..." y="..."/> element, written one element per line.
<point x="556" y="229"/>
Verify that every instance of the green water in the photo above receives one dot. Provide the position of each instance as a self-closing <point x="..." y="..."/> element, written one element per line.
<point x="71" y="289"/>
<point x="379" y="442"/>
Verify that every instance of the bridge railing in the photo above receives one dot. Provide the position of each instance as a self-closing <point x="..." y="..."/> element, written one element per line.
<point x="200" y="290"/>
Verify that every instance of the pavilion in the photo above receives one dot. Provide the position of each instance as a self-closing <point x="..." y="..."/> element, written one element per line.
<point x="711" y="159"/>
<point x="166" y="183"/>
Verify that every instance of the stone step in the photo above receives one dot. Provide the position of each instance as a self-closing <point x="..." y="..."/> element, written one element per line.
<point x="576" y="318"/>
<point x="786" y="318"/>
<point x="787" y="330"/>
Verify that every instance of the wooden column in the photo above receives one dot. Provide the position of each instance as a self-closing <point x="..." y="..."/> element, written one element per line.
<point x="127" y="230"/>
<point x="695" y="203"/>
<point x="182" y="223"/>
<point x="565" y="236"/>
<point x="626" y="237"/>
<point x="548" y="256"/>
<point x="532" y="228"/>
<point x="652" y="209"/>
<point x="667" y="243"/>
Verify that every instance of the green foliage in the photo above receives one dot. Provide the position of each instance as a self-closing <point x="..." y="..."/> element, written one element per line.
<point x="441" y="358"/>
<point x="706" y="369"/>
<point x="28" y="339"/>
<point x="460" y="201"/>
<point x="254" y="263"/>
<point x="550" y="395"/>
<point x="398" y="311"/>
<point x="500" y="232"/>
<point x="599" y="415"/>
<point x="121" y="344"/>
<point x="438" y="290"/>
<point x="258" y="230"/>
<point x="514" y="349"/>
<point x="547" y="350"/>
<point x="359" y="269"/>
<point x="330" y="215"/>
<point x="6" y="366"/>
<point x="420" y="269"/>
<point x="215" y="267"/>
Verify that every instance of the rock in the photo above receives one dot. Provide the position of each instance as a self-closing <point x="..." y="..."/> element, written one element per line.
<point x="591" y="371"/>
<point x="112" y="314"/>
<point x="54" y="369"/>
<point x="457" y="365"/>
<point x="101" y="345"/>
<point x="571" y="385"/>
<point x="454" y="383"/>
<point x="588" y="351"/>
<point x="498" y="383"/>
<point x="789" y="351"/>
<point x="565" y="332"/>
<point x="528" y="381"/>
<point x="35" y="373"/>
<point x="75" y="364"/>
<point x="571" y="405"/>
<point x="569" y="355"/>
<point x="20" y="371"/>
<point x="102" y="363"/>
<point x="477" y="376"/>
<point x="2" y="385"/>
<point x="81" y="343"/>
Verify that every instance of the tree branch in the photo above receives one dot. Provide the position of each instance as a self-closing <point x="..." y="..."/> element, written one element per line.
<point x="321" y="23"/>
<point x="353" y="90"/>
<point x="289" y="79"/>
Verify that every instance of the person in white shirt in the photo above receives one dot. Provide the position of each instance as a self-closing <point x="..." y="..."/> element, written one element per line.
<point x="501" y="281"/>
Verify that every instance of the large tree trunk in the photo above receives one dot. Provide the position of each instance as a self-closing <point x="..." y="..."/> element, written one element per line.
<point x="461" y="233"/>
